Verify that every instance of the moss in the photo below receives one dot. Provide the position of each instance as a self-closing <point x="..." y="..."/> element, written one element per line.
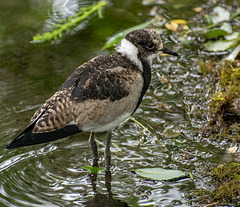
<point x="223" y="185"/>
<point x="226" y="181"/>
<point x="228" y="91"/>
<point x="209" y="68"/>
<point x="224" y="105"/>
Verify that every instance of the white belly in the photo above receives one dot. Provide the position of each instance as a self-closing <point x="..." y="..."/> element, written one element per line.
<point x="108" y="126"/>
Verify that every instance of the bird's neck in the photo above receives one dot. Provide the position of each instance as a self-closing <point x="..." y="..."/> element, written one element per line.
<point x="129" y="50"/>
<point x="146" y="78"/>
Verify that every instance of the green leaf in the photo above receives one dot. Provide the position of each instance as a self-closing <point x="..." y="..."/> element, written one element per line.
<point x="219" y="45"/>
<point x="232" y="56"/>
<point x="226" y="27"/>
<point x="220" y="15"/>
<point x="159" y="173"/>
<point x="208" y="18"/>
<point x="211" y="33"/>
<point x="93" y="169"/>
<point x="114" y="40"/>
<point x="236" y="13"/>
<point x="233" y="36"/>
<point x="68" y="24"/>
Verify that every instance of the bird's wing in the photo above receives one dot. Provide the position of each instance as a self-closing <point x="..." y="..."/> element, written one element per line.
<point x="91" y="81"/>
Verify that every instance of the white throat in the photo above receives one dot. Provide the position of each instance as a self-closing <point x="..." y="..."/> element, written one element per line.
<point x="130" y="51"/>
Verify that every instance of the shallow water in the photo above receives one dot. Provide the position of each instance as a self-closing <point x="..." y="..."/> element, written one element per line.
<point x="51" y="174"/>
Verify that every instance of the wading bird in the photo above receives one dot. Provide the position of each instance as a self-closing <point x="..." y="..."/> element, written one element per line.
<point x="99" y="94"/>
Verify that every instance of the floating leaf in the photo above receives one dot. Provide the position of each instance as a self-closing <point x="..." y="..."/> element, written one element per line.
<point x="219" y="45"/>
<point x="211" y="33"/>
<point x="159" y="173"/>
<point x="220" y="15"/>
<point x="114" y="40"/>
<point x="93" y="169"/>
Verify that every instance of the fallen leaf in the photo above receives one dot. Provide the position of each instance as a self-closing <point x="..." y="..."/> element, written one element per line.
<point x="197" y="9"/>
<point x="179" y="21"/>
<point x="233" y="149"/>
<point x="185" y="27"/>
<point x="163" y="79"/>
<point x="173" y="26"/>
<point x="192" y="108"/>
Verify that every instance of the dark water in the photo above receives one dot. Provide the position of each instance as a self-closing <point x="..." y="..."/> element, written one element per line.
<point x="51" y="174"/>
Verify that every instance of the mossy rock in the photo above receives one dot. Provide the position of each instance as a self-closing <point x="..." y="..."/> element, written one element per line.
<point x="226" y="101"/>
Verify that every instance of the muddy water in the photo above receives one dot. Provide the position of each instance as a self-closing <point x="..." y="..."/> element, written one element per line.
<point x="51" y="174"/>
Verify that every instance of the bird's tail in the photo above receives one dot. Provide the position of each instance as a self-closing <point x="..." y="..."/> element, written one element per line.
<point x="27" y="137"/>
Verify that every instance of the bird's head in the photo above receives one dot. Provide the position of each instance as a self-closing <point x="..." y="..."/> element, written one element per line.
<point x="143" y="44"/>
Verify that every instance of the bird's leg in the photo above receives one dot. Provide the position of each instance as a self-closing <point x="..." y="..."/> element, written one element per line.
<point x="108" y="179"/>
<point x="107" y="153"/>
<point x="93" y="146"/>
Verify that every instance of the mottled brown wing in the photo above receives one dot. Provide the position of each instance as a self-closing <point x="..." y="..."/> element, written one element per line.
<point x="92" y="80"/>
<point x="101" y="78"/>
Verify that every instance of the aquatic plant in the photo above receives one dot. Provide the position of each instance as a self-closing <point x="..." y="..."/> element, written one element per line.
<point x="70" y="23"/>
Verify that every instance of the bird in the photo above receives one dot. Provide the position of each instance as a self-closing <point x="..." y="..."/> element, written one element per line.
<point x="99" y="95"/>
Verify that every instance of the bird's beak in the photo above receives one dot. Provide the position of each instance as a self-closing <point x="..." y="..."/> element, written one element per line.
<point x="168" y="51"/>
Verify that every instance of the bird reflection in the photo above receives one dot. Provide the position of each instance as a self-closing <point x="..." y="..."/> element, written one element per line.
<point x="104" y="200"/>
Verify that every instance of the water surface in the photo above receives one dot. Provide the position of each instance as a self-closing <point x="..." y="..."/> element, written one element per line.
<point x="51" y="174"/>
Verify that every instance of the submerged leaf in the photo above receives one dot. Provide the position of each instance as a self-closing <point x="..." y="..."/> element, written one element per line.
<point x="220" y="45"/>
<point x="159" y="173"/>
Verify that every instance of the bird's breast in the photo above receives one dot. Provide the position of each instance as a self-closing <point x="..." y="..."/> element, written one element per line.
<point x="102" y="115"/>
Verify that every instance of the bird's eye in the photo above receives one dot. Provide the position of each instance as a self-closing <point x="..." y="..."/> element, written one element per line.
<point x="150" y="46"/>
